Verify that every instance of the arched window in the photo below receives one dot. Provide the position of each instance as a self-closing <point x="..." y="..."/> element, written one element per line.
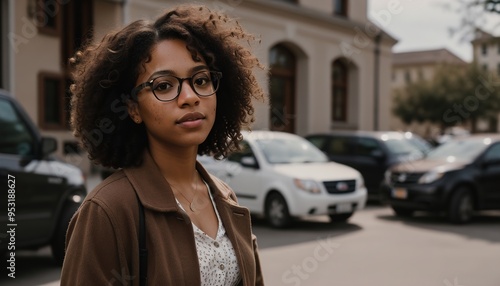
<point x="282" y="89"/>
<point x="340" y="74"/>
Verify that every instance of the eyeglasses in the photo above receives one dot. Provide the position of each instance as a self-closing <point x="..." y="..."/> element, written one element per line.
<point x="168" y="87"/>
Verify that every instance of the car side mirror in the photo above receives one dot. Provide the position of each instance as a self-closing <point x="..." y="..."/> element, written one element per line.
<point x="48" y="145"/>
<point x="249" y="162"/>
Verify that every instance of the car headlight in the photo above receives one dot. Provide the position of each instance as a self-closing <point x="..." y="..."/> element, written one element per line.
<point x="309" y="186"/>
<point x="430" y="177"/>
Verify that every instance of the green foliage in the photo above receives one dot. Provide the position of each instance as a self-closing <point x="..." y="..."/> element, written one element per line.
<point x="456" y="94"/>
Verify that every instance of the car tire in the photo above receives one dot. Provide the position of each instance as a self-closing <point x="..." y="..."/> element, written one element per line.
<point x="59" y="239"/>
<point x="339" y="218"/>
<point x="277" y="213"/>
<point x="461" y="206"/>
<point x="402" y="212"/>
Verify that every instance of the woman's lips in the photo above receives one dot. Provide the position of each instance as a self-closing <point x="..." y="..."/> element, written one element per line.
<point x="191" y="120"/>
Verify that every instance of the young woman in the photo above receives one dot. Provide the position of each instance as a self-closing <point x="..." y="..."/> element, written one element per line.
<point x="157" y="94"/>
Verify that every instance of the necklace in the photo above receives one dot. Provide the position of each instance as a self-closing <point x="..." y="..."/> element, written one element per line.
<point x="192" y="207"/>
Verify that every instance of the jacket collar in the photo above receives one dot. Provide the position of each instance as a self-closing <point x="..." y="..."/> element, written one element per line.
<point x="153" y="190"/>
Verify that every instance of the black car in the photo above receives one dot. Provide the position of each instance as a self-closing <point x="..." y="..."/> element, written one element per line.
<point x="370" y="152"/>
<point x="458" y="177"/>
<point x="40" y="193"/>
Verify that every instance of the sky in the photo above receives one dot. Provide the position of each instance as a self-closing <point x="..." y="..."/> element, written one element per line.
<point x="425" y="24"/>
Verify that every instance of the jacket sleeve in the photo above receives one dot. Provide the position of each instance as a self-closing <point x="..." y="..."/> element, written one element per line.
<point x="92" y="252"/>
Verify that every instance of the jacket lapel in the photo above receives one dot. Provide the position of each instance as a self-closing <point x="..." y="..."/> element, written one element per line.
<point x="151" y="187"/>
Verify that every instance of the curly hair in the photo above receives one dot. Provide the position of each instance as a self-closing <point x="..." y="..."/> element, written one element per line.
<point x="104" y="75"/>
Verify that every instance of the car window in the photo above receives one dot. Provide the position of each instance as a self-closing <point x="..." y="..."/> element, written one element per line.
<point x="367" y="146"/>
<point x="245" y="151"/>
<point x="493" y="154"/>
<point x="400" y="147"/>
<point x="15" y="136"/>
<point x="318" y="141"/>
<point x="339" y="146"/>
<point x="459" y="150"/>
<point x="290" y="150"/>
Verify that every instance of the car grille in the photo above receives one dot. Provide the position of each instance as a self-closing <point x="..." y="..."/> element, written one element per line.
<point x="405" y="178"/>
<point x="340" y="187"/>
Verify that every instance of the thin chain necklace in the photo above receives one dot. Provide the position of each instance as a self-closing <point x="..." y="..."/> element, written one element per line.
<point x="191" y="203"/>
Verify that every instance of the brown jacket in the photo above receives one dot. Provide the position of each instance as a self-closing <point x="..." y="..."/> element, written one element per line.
<point x="102" y="239"/>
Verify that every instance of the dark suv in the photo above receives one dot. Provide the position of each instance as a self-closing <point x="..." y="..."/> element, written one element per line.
<point x="370" y="152"/>
<point x="458" y="177"/>
<point x="41" y="193"/>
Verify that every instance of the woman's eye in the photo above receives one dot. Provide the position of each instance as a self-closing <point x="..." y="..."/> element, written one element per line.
<point x="201" y="81"/>
<point x="163" y="86"/>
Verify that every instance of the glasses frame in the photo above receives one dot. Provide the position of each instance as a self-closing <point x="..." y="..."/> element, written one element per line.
<point x="215" y="76"/>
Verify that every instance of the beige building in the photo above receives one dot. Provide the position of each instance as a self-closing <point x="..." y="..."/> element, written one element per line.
<point x="408" y="67"/>
<point x="486" y="55"/>
<point x="486" y="51"/>
<point x="329" y="65"/>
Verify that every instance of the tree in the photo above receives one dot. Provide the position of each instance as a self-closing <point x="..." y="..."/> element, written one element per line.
<point x="454" y="96"/>
<point x="475" y="14"/>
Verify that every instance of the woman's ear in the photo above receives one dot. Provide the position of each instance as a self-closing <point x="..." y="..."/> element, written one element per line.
<point x="133" y="111"/>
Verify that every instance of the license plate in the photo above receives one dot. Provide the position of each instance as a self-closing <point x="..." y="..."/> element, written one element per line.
<point x="343" y="208"/>
<point x="399" y="193"/>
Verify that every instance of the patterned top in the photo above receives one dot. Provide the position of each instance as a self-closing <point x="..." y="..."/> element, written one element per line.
<point x="217" y="259"/>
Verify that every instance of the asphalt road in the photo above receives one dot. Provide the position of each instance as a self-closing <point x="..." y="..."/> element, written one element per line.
<point x="377" y="249"/>
<point x="373" y="249"/>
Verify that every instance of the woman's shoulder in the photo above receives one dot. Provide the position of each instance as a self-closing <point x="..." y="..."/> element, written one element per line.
<point x="113" y="191"/>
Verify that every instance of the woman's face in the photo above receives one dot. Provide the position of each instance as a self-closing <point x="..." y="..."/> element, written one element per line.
<point x="185" y="121"/>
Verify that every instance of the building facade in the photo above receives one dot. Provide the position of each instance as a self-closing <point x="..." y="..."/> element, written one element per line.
<point x="329" y="65"/>
<point x="486" y="55"/>
<point x="486" y="51"/>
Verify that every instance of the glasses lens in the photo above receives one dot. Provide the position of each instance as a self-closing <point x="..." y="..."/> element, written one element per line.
<point x="205" y="83"/>
<point x="165" y="87"/>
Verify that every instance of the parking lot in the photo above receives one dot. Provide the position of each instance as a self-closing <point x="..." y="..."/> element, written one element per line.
<point x="373" y="248"/>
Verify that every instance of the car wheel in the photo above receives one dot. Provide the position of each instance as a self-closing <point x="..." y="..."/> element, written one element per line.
<point x="461" y="206"/>
<point x="336" y="218"/>
<point x="59" y="238"/>
<point x="277" y="213"/>
<point x="402" y="212"/>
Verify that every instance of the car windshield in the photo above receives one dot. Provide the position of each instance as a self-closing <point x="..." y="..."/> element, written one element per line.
<point x="290" y="150"/>
<point x="402" y="147"/>
<point x="420" y="143"/>
<point x="459" y="150"/>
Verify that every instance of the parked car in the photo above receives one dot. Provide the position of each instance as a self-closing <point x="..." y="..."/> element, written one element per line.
<point x="281" y="176"/>
<point x="371" y="153"/>
<point x="458" y="177"/>
<point x="43" y="193"/>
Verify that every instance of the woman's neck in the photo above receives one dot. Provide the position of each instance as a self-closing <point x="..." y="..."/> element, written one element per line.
<point x="178" y="165"/>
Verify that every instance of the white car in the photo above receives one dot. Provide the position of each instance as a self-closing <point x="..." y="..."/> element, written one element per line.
<point x="281" y="175"/>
